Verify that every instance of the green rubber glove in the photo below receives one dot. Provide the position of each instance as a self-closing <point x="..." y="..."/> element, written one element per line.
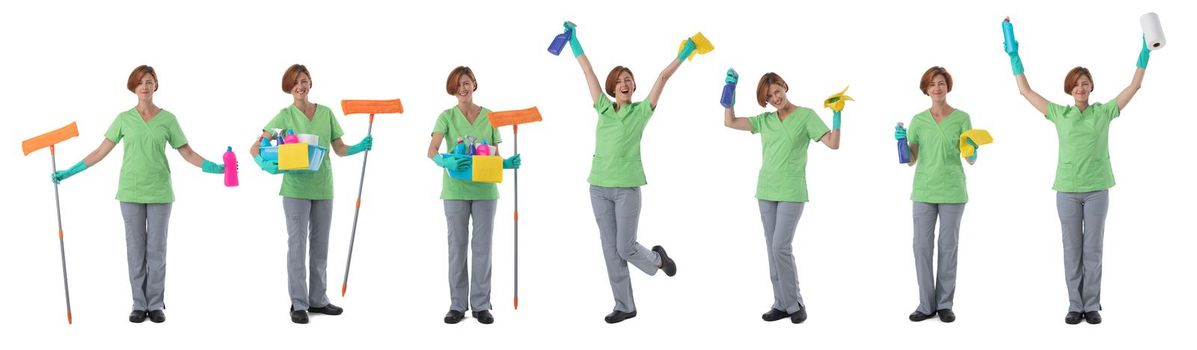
<point x="512" y="163"/>
<point x="366" y="144"/>
<point x="1144" y="55"/>
<point x="899" y="133"/>
<point x="1015" y="60"/>
<point x="687" y="50"/>
<point x="451" y="163"/>
<point x="212" y="168"/>
<point x="835" y="120"/>
<point x="267" y="166"/>
<point x="573" y="39"/>
<point x="60" y="175"/>
<point x="976" y="149"/>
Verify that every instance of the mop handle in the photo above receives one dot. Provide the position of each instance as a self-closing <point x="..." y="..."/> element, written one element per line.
<point x="61" y="246"/>
<point x="357" y="210"/>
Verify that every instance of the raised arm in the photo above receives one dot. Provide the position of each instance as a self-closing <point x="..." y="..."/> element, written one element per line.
<point x="831" y="139"/>
<point x="655" y="93"/>
<point x="1011" y="47"/>
<point x="1137" y="82"/>
<point x="592" y="82"/>
<point x="732" y="121"/>
<point x="1033" y="97"/>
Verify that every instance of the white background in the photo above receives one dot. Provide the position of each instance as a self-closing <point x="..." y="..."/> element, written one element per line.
<point x="220" y="64"/>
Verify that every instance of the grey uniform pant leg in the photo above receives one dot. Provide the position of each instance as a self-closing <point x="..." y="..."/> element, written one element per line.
<point x="458" y="214"/>
<point x="780" y="219"/>
<point x="1082" y="224"/>
<point x="936" y="291"/>
<point x="617" y="212"/>
<point x="308" y="224"/>
<point x="145" y="246"/>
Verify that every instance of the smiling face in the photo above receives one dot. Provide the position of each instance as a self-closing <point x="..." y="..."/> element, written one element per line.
<point x="938" y="89"/>
<point x="303" y="85"/>
<point x="465" y="89"/>
<point x="625" y="85"/>
<point x="146" y="87"/>
<point x="1081" y="88"/>
<point x="776" y="96"/>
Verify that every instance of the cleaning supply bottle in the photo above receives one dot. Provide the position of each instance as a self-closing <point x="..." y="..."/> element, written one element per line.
<point x="278" y="137"/>
<point x="559" y="42"/>
<point x="903" y="147"/>
<point x="729" y="89"/>
<point x="1008" y="35"/>
<point x="291" y="138"/>
<point x="230" y="168"/>
<point x="263" y="142"/>
<point x="483" y="149"/>
<point x="460" y="148"/>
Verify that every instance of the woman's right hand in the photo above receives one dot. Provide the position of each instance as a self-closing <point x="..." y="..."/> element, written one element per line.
<point x="267" y="166"/>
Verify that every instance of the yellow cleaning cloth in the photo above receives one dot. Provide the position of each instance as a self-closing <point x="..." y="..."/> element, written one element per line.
<point x="293" y="156"/>
<point x="702" y="46"/>
<point x="979" y="136"/>
<point x="488" y="169"/>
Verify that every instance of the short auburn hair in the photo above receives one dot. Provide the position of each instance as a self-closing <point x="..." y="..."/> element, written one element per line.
<point x="138" y="73"/>
<point x="454" y="81"/>
<point x="767" y="80"/>
<point x="613" y="78"/>
<point x="1073" y="75"/>
<point x="291" y="76"/>
<point x="928" y="76"/>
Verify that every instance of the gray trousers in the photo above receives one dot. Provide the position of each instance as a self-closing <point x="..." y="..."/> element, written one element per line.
<point x="1083" y="224"/>
<point x="145" y="247"/>
<point x="477" y="289"/>
<point x="937" y="289"/>
<point x="617" y="212"/>
<point x="780" y="219"/>
<point x="308" y="222"/>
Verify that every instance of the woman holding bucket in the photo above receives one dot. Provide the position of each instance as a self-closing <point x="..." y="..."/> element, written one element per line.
<point x="144" y="189"/>
<point x="1084" y="175"/>
<point x="465" y="199"/>
<point x="781" y="187"/>
<point x="616" y="173"/>
<point x="307" y="195"/>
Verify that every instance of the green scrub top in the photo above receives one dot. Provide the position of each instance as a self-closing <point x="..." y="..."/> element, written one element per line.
<point x="784" y="145"/>
<point x="1084" y="159"/>
<point x="617" y="144"/>
<point x="145" y="173"/>
<point x="453" y="124"/>
<point x="938" y="174"/>
<point x="316" y="185"/>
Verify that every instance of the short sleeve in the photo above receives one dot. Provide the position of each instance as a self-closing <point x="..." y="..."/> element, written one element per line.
<point x="334" y="126"/>
<point x="757" y="121"/>
<point x="815" y="127"/>
<point x="912" y="133"/>
<point x="1111" y="109"/>
<point x="442" y="123"/>
<point x="174" y="134"/>
<point x="1054" y="111"/>
<point x="115" y="131"/>
<point x="602" y="105"/>
<point x="967" y="124"/>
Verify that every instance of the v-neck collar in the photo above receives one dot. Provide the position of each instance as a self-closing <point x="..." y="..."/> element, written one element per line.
<point x="145" y="121"/>
<point x="467" y="120"/>
<point x="304" y="116"/>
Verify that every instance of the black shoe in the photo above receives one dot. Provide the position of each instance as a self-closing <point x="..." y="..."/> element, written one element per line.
<point x="798" y="317"/>
<point x="157" y="316"/>
<point x="484" y="317"/>
<point x="138" y="316"/>
<point x="946" y="315"/>
<point x="454" y="316"/>
<point x="1073" y="317"/>
<point x="299" y="316"/>
<point x="667" y="264"/>
<point x="619" y="316"/>
<point x="1092" y="317"/>
<point x="329" y="309"/>
<point x="919" y="316"/>
<point x="774" y="315"/>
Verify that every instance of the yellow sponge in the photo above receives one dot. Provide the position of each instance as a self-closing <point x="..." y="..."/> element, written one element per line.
<point x="702" y="46"/>
<point x="979" y="136"/>
<point x="293" y="156"/>
<point x="488" y="169"/>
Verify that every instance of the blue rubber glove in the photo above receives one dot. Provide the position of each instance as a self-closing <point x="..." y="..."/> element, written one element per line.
<point x="573" y="39"/>
<point x="976" y="149"/>
<point x="1015" y="60"/>
<point x="366" y="144"/>
<point x="212" y="168"/>
<point x="899" y="133"/>
<point x="687" y="50"/>
<point x="267" y="166"/>
<point x="60" y="175"/>
<point x="451" y="163"/>
<point x="512" y="163"/>
<point x="1144" y="55"/>
<point x="835" y="120"/>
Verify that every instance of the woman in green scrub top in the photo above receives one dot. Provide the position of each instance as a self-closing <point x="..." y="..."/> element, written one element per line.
<point x="616" y="174"/>
<point x="307" y="197"/>
<point x="1083" y="176"/>
<point x="939" y="193"/>
<point x="466" y="199"/>
<point x="144" y="188"/>
<point x="781" y="185"/>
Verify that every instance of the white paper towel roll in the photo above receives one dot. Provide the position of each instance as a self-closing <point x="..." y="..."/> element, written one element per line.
<point x="1152" y="30"/>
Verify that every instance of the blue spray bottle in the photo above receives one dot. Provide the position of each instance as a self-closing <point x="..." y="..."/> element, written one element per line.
<point x="903" y="147"/>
